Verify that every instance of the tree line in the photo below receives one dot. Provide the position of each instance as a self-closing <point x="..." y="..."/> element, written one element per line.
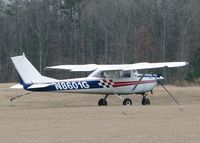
<point x="52" y="32"/>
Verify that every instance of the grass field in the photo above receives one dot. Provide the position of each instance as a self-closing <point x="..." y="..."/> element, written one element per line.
<point x="61" y="118"/>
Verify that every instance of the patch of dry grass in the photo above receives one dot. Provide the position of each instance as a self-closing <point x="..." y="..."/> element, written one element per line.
<point x="61" y="118"/>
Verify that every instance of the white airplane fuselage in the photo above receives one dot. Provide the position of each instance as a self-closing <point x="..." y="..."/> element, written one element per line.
<point x="98" y="85"/>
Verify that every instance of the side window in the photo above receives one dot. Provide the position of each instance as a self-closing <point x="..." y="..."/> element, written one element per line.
<point x="109" y="74"/>
<point x="126" y="74"/>
<point x="104" y="74"/>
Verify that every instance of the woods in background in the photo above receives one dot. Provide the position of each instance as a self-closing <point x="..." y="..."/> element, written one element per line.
<point x="52" y="32"/>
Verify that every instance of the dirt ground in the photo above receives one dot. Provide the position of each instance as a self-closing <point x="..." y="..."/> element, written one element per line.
<point x="62" y="118"/>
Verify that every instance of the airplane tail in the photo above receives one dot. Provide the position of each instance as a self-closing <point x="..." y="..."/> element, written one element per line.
<point x="27" y="72"/>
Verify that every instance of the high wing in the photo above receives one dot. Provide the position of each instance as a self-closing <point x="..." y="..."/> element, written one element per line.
<point x="124" y="67"/>
<point x="140" y="66"/>
<point x="86" y="67"/>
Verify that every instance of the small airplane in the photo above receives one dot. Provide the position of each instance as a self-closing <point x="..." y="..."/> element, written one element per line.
<point x="122" y="79"/>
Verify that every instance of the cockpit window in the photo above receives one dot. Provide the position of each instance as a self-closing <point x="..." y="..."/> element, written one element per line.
<point x="104" y="74"/>
<point x="125" y="74"/>
<point x="113" y="74"/>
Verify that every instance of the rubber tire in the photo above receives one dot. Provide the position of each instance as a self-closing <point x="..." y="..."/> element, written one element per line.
<point x="102" y="102"/>
<point x="127" y="102"/>
<point x="146" y="101"/>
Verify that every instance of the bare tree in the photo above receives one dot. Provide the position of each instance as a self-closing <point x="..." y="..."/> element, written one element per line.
<point x="40" y="24"/>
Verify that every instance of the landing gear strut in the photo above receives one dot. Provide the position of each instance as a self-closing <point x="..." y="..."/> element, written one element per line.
<point x="126" y="101"/>
<point x="145" y="100"/>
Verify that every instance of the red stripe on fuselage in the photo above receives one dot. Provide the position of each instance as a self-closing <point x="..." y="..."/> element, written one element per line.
<point x="119" y="84"/>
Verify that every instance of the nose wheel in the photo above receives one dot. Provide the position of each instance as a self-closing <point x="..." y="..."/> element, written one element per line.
<point x="102" y="102"/>
<point x="145" y="100"/>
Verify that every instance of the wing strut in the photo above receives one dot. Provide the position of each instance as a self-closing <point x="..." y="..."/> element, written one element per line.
<point x="167" y="90"/>
<point x="138" y="82"/>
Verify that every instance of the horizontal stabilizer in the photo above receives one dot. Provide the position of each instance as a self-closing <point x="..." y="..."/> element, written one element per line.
<point x="17" y="86"/>
<point x="38" y="86"/>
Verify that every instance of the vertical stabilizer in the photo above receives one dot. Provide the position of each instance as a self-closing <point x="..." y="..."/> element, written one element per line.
<point x="26" y="70"/>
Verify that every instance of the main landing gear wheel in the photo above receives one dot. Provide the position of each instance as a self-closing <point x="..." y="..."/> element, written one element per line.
<point x="145" y="101"/>
<point x="127" y="101"/>
<point x="102" y="102"/>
